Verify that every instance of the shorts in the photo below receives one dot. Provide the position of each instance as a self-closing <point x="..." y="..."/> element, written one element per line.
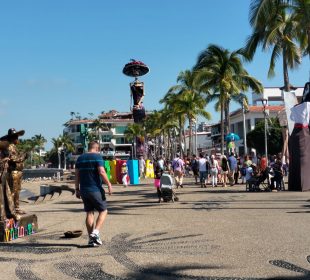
<point x="196" y="172"/>
<point x="94" y="201"/>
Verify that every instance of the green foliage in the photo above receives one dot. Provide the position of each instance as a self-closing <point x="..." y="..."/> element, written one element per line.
<point x="256" y="137"/>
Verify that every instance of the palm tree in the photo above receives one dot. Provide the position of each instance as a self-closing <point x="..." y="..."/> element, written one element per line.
<point x="185" y="101"/>
<point x="301" y="14"/>
<point x="63" y="143"/>
<point x="133" y="132"/>
<point x="277" y="29"/>
<point x="98" y="125"/>
<point x="221" y="74"/>
<point x="170" y="101"/>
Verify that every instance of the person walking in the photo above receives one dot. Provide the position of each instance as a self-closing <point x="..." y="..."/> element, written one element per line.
<point x="158" y="172"/>
<point x="89" y="173"/>
<point x="141" y="167"/>
<point x="195" y="168"/>
<point x="178" y="170"/>
<point x="214" y="166"/>
<point x="233" y="166"/>
<point x="225" y="170"/>
<point x="202" y="162"/>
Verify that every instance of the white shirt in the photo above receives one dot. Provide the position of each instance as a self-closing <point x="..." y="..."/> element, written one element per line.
<point x="301" y="113"/>
<point x="202" y="162"/>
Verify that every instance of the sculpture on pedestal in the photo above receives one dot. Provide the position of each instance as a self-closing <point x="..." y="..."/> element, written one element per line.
<point x="12" y="164"/>
<point x="136" y="69"/>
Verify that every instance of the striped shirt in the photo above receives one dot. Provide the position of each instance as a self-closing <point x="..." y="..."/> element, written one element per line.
<point x="90" y="180"/>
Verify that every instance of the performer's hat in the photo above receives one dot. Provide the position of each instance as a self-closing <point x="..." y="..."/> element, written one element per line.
<point x="306" y="93"/>
<point x="12" y="133"/>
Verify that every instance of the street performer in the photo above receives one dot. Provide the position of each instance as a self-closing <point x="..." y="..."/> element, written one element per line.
<point x="7" y="209"/>
<point x="14" y="166"/>
<point x="299" y="145"/>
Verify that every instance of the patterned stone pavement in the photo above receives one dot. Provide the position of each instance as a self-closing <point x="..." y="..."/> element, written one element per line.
<point x="220" y="233"/>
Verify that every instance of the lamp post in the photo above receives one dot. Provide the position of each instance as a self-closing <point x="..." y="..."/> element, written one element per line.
<point x="196" y="122"/>
<point x="244" y="128"/>
<point x="266" y="113"/>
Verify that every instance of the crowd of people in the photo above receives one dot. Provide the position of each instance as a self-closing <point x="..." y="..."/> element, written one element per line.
<point x="221" y="170"/>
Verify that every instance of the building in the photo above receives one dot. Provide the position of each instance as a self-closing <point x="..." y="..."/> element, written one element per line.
<point x="203" y="136"/>
<point x="111" y="134"/>
<point x="253" y="115"/>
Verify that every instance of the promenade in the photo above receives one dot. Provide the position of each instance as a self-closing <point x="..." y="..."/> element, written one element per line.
<point x="212" y="233"/>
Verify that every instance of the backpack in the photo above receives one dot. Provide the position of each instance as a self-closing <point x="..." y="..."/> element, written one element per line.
<point x="243" y="171"/>
<point x="195" y="164"/>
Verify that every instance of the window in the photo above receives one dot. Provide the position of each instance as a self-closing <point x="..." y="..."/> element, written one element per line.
<point x="120" y="129"/>
<point x="106" y="138"/>
<point x="122" y="140"/>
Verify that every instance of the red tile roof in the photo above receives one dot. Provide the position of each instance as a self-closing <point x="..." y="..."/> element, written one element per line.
<point x="254" y="109"/>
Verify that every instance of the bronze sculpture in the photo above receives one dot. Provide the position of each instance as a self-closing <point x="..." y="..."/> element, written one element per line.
<point x="12" y="164"/>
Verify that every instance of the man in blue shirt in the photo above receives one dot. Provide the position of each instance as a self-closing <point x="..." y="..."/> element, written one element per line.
<point x="233" y="165"/>
<point x="89" y="173"/>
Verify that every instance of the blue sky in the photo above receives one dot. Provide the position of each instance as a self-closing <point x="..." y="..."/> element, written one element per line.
<point x="67" y="55"/>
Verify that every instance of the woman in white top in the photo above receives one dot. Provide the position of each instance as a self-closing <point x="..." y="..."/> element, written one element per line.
<point x="214" y="170"/>
<point x="299" y="145"/>
<point x="202" y="163"/>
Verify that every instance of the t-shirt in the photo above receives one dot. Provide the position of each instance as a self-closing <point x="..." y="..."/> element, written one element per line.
<point x="232" y="163"/>
<point x="178" y="164"/>
<point x="90" y="180"/>
<point x="202" y="165"/>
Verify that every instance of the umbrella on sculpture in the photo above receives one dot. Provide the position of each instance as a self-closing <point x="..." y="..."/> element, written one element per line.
<point x="232" y="137"/>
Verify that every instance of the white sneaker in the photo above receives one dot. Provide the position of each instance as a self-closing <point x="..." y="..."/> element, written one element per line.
<point x="91" y="243"/>
<point x="95" y="238"/>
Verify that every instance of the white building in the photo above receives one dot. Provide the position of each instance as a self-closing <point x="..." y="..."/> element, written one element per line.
<point x="275" y="104"/>
<point x="112" y="138"/>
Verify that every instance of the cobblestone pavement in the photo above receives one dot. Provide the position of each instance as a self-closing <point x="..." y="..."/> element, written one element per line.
<point x="211" y="233"/>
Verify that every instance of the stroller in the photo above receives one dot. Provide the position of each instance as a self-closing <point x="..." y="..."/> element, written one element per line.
<point x="261" y="182"/>
<point x="166" y="188"/>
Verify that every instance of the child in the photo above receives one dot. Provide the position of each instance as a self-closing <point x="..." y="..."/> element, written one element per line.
<point x="124" y="172"/>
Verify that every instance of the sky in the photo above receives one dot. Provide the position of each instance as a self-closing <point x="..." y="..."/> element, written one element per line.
<point x="62" y="56"/>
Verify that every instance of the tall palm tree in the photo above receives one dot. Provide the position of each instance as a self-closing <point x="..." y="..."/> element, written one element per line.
<point x="221" y="73"/>
<point x="133" y="132"/>
<point x="170" y="100"/>
<point x="98" y="125"/>
<point x="301" y="14"/>
<point x="63" y="143"/>
<point x="277" y="29"/>
<point x="186" y="101"/>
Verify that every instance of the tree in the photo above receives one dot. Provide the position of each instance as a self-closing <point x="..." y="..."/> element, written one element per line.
<point x="185" y="100"/>
<point x="98" y="125"/>
<point x="133" y="132"/>
<point x="301" y="14"/>
<point x="255" y="138"/>
<point x="274" y="28"/>
<point x="221" y="75"/>
<point x="63" y="143"/>
<point x="170" y="100"/>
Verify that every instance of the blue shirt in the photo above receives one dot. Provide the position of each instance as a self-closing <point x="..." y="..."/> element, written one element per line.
<point x="90" y="180"/>
<point x="232" y="163"/>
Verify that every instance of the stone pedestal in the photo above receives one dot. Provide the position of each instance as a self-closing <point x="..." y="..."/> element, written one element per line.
<point x="11" y="229"/>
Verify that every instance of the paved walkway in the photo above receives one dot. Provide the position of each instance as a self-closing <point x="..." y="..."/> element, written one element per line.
<point x="209" y="234"/>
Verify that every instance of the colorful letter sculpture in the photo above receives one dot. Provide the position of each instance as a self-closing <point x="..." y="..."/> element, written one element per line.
<point x="11" y="229"/>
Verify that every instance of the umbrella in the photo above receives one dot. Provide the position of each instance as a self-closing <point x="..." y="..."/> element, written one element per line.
<point x="232" y="137"/>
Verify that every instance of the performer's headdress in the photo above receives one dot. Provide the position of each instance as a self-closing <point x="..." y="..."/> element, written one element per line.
<point x="306" y="93"/>
<point x="12" y="133"/>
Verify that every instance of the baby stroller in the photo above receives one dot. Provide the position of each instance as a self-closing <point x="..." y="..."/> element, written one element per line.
<point x="166" y="188"/>
<point x="260" y="182"/>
